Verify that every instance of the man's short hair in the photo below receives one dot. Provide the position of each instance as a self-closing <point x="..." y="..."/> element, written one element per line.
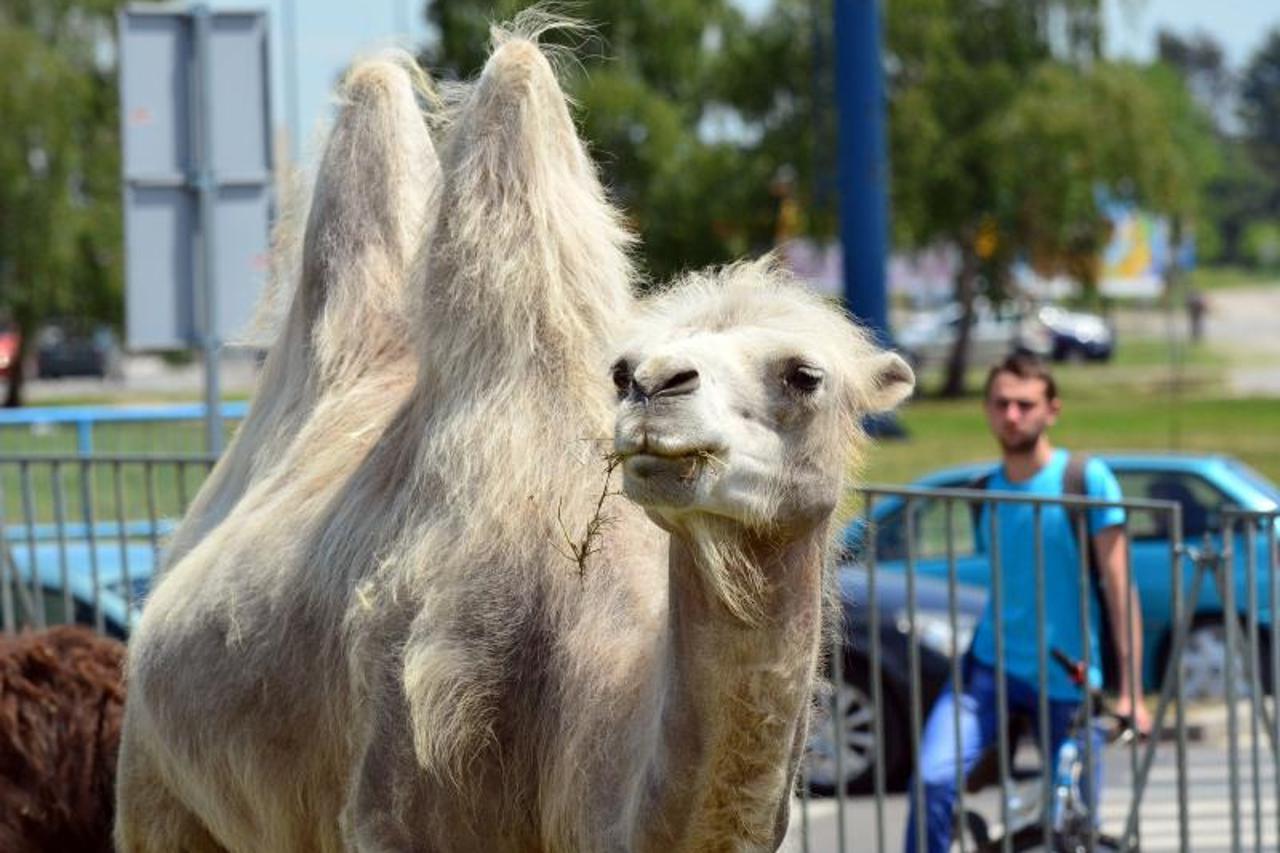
<point x="1023" y="365"/>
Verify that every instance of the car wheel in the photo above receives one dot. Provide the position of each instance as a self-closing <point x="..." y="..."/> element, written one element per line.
<point x="854" y="704"/>
<point x="1204" y="662"/>
<point x="1076" y="355"/>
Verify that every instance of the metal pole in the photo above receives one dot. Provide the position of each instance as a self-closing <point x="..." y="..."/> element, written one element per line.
<point x="289" y="23"/>
<point x="206" y="186"/>
<point x="956" y="686"/>
<point x="863" y="165"/>
<point x="877" y="689"/>
<point x="1042" y="679"/>
<point x="1224" y="572"/>
<point x="914" y="664"/>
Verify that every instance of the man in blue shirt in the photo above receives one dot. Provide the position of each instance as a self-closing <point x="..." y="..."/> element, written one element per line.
<point x="1021" y="404"/>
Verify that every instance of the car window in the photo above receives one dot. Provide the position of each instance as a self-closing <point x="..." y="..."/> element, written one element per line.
<point x="929" y="528"/>
<point x="1254" y="479"/>
<point x="1201" y="502"/>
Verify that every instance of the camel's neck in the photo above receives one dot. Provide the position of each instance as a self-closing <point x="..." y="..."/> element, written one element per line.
<point x="737" y="697"/>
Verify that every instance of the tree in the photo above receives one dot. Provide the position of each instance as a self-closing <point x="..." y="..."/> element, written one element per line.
<point x="1260" y="108"/>
<point x="1201" y="62"/>
<point x="1235" y="190"/>
<point x="60" y="238"/>
<point x="1005" y="125"/>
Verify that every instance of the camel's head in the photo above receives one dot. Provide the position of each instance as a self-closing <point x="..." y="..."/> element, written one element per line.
<point x="740" y="396"/>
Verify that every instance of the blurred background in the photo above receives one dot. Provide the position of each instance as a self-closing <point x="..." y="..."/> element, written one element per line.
<point x="1097" y="181"/>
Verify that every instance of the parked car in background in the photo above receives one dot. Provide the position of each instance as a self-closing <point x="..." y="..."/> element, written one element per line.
<point x="926" y="340"/>
<point x="50" y="569"/>
<point x="1203" y="484"/>
<point x="852" y="698"/>
<point x="71" y="348"/>
<point x="1075" y="335"/>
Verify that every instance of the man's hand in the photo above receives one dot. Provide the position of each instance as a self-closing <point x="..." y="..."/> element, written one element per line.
<point x="1136" y="712"/>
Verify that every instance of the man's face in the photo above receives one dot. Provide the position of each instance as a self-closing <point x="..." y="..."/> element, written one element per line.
<point x="1018" y="411"/>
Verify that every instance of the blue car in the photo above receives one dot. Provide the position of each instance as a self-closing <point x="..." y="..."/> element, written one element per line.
<point x="1203" y="484"/>
<point x="124" y="560"/>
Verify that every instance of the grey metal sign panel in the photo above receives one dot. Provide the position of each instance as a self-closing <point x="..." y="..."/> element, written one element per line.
<point x="155" y="53"/>
<point x="243" y="223"/>
<point x="159" y="254"/>
<point x="164" y="171"/>
<point x="241" y="133"/>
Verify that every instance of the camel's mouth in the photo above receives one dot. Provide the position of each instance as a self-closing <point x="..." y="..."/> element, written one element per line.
<point x="667" y="478"/>
<point x="650" y="461"/>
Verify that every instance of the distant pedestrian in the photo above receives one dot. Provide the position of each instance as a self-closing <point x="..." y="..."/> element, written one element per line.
<point x="1197" y="307"/>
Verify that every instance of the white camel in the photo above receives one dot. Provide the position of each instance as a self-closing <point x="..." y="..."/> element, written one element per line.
<point x="347" y="315"/>
<point x="470" y="640"/>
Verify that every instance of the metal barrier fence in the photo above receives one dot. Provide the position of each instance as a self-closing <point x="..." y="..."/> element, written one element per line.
<point x="83" y="535"/>
<point x="88" y="429"/>
<point x="919" y="567"/>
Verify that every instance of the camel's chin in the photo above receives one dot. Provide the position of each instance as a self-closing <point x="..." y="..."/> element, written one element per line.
<point x="656" y="482"/>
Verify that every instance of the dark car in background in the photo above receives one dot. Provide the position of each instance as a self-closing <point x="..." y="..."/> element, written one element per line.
<point x="852" y="697"/>
<point x="69" y="348"/>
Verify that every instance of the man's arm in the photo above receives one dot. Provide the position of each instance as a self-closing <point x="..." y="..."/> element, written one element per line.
<point x="1125" y="614"/>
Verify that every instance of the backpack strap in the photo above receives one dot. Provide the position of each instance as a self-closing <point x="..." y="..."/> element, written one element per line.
<point x="979" y="483"/>
<point x="1073" y="484"/>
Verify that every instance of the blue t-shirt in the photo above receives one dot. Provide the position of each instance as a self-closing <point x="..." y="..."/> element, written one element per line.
<point x="1061" y="574"/>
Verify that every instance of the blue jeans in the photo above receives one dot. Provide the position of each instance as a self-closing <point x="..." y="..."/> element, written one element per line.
<point x="978" y="724"/>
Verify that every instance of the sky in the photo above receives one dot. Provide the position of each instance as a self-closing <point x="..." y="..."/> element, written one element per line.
<point x="1238" y="25"/>
<point x="330" y="33"/>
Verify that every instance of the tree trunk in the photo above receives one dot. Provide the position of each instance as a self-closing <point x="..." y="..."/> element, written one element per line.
<point x="966" y="290"/>
<point x="18" y="367"/>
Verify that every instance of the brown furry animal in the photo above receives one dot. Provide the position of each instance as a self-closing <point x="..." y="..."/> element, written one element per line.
<point x="61" y="704"/>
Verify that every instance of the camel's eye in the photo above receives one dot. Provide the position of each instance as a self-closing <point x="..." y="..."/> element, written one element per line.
<point x="621" y="372"/>
<point x="804" y="378"/>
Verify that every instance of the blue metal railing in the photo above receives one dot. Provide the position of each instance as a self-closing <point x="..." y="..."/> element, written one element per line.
<point x="84" y="418"/>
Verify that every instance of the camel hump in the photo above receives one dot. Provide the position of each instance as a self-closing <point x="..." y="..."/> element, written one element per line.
<point x="528" y="257"/>
<point x="371" y="193"/>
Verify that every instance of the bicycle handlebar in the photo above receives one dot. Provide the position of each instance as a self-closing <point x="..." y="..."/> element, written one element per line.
<point x="1079" y="676"/>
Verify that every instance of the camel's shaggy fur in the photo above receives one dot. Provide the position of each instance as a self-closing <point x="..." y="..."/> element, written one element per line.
<point x="469" y="640"/>
<point x="345" y="382"/>
<point x="347" y="313"/>
<point x="61" y="700"/>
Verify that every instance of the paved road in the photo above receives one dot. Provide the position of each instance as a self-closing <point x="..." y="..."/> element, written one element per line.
<point x="1209" y="798"/>
<point x="147" y="375"/>
<point x="1240" y="322"/>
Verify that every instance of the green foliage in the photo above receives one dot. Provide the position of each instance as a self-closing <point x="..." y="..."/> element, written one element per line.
<point x="1262" y="244"/>
<point x="1070" y="132"/>
<point x="691" y="109"/>
<point x="60" y="231"/>
<point x="1260" y="104"/>
<point x="1003" y="121"/>
<point x="989" y="123"/>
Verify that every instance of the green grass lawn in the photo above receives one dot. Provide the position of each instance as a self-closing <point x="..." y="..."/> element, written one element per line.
<point x="1219" y="278"/>
<point x="948" y="432"/>
<point x="1146" y="398"/>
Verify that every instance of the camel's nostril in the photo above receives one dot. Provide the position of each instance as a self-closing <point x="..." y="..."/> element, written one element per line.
<point x="684" y="382"/>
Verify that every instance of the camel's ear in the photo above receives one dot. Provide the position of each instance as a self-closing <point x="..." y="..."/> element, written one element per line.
<point x="889" y="381"/>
